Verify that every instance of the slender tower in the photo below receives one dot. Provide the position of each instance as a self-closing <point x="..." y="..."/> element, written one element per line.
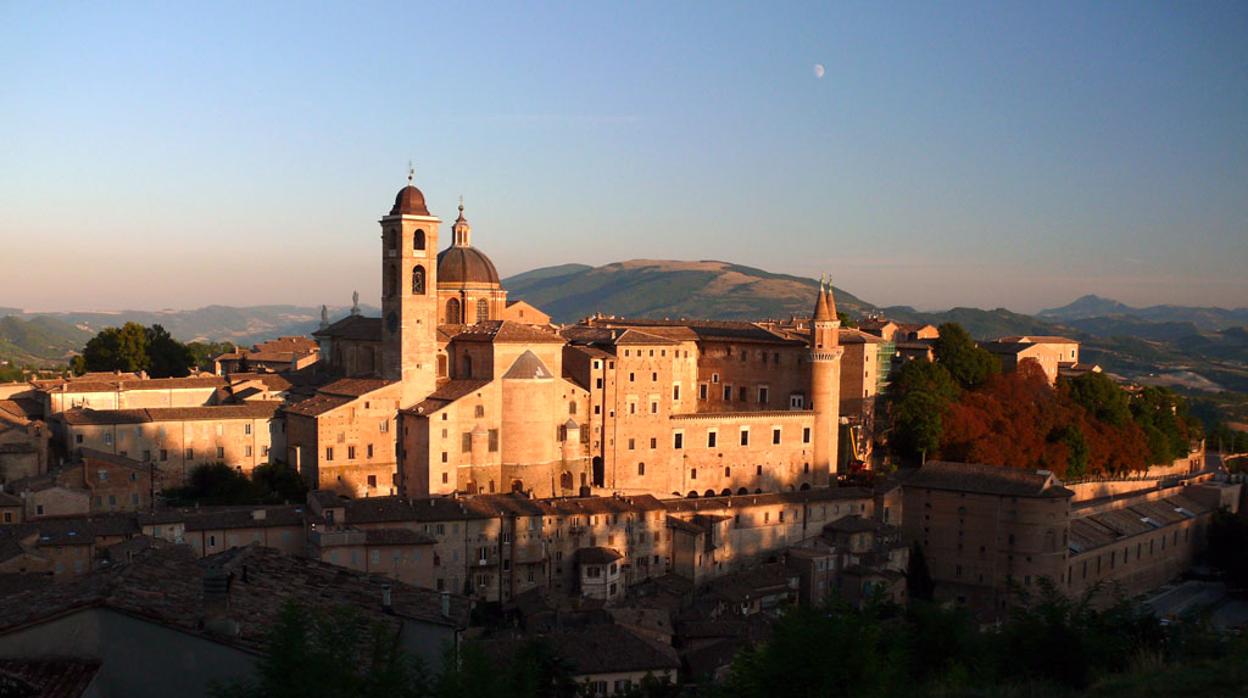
<point x="825" y="381"/>
<point x="409" y="299"/>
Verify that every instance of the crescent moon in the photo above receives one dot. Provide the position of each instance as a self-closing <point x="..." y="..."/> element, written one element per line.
<point x="819" y="71"/>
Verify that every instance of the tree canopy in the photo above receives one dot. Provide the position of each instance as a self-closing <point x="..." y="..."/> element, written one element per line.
<point x="133" y="347"/>
<point x="218" y="483"/>
<point x="970" y="364"/>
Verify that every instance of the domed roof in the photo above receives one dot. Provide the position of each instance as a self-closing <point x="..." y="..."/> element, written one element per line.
<point x="409" y="201"/>
<point x="465" y="265"/>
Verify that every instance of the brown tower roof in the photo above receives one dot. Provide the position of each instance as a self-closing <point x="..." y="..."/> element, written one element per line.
<point x="409" y="201"/>
<point x="823" y="311"/>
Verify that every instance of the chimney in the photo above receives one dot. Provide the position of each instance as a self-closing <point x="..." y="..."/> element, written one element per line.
<point x="216" y="616"/>
<point x="387" y="604"/>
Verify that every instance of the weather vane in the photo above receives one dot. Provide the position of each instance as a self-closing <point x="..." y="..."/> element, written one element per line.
<point x="411" y="172"/>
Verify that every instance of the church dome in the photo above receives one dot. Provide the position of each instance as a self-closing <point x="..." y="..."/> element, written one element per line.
<point x="409" y="201"/>
<point x="465" y="265"/>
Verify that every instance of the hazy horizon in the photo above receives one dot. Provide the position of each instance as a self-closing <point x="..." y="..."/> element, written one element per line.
<point x="970" y="155"/>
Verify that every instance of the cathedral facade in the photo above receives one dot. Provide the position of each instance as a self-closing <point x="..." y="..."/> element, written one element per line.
<point x="457" y="390"/>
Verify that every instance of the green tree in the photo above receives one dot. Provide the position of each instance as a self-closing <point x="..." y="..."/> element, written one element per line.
<point x="1163" y="415"/>
<point x="918" y="394"/>
<point x="970" y="364"/>
<point x="116" y="349"/>
<point x="220" y="484"/>
<point x="167" y="357"/>
<point x="335" y="653"/>
<point x="1100" y="396"/>
<point x="202" y="353"/>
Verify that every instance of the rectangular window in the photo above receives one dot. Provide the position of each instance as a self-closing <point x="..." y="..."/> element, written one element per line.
<point x="693" y="474"/>
<point x="727" y="393"/>
<point x="247" y="451"/>
<point x="632" y="444"/>
<point x="676" y="392"/>
<point x="190" y="454"/>
<point x="805" y="435"/>
<point x="641" y="468"/>
<point x="598" y="383"/>
<point x="654" y="408"/>
<point x="147" y="455"/>
<point x="597" y="409"/>
<point x="350" y="452"/>
<point x="329" y="453"/>
<point x="220" y="451"/>
<point x="654" y="443"/>
<point x="372" y="480"/>
<point x="745" y="436"/>
<point x="775" y="435"/>
<point x="164" y="454"/>
<point x="493" y="440"/>
<point x="711" y="439"/>
<point x="465" y="442"/>
<point x="702" y="391"/>
<point x="763" y="394"/>
<point x="445" y="478"/>
<point x="678" y="440"/>
<point x="369" y="452"/>
<point x="743" y="394"/>
<point x="247" y="429"/>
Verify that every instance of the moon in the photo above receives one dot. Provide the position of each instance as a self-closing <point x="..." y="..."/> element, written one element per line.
<point x="819" y="71"/>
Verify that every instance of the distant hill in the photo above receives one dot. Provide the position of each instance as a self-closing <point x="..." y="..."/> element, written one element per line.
<point x="1204" y="318"/>
<point x="672" y="289"/>
<point x="38" y="340"/>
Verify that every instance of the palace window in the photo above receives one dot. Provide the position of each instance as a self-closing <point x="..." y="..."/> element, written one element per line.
<point x="418" y="242"/>
<point x="483" y="310"/>
<point x="452" y="312"/>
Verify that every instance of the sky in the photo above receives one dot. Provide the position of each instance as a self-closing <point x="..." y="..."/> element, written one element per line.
<point x="175" y="155"/>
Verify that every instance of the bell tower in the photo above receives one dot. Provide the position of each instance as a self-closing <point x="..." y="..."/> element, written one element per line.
<point x="409" y="299"/>
<point x="825" y="381"/>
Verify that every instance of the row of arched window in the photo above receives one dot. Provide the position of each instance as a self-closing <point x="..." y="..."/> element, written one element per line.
<point x="392" y="240"/>
<point x="454" y="311"/>
<point x="418" y="280"/>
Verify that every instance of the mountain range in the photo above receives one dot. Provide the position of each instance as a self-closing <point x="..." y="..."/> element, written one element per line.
<point x="1092" y="307"/>
<point x="1196" y="347"/>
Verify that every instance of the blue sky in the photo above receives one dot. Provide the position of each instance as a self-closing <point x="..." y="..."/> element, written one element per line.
<point x="989" y="154"/>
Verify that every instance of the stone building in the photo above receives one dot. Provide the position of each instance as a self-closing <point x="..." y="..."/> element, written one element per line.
<point x="1053" y="354"/>
<point x="990" y="532"/>
<point x="488" y="398"/>
<point x="274" y="356"/>
<point x="24" y="439"/>
<point x="176" y="439"/>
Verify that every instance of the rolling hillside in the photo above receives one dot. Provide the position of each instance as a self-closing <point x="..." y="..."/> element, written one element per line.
<point x="672" y="289"/>
<point x="39" y="340"/>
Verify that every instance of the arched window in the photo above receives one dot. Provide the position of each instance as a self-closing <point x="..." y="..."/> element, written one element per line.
<point x="418" y="280"/>
<point x="452" y="312"/>
<point x="483" y="310"/>
<point x="391" y="283"/>
<point x="418" y="241"/>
